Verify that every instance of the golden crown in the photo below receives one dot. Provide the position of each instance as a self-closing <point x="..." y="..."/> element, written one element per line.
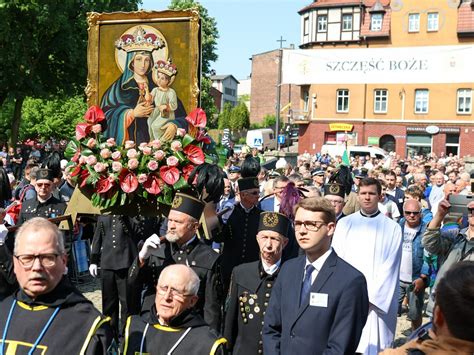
<point x="139" y="40"/>
<point x="166" y="67"/>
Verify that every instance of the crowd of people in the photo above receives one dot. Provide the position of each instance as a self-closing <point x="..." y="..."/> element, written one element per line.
<point x="312" y="258"/>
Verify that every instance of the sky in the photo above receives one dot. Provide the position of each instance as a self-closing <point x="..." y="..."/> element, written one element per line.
<point x="247" y="27"/>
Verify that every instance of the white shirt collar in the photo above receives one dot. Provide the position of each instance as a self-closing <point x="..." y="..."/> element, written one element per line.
<point x="270" y="270"/>
<point x="247" y="210"/>
<point x="318" y="263"/>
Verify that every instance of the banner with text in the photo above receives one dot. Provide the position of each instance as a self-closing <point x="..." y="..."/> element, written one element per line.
<point x="410" y="65"/>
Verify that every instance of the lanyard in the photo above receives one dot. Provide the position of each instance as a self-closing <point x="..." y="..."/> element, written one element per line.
<point x="43" y="331"/>
<point x="172" y="348"/>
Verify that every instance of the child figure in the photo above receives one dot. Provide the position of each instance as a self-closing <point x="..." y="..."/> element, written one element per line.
<point x="165" y="101"/>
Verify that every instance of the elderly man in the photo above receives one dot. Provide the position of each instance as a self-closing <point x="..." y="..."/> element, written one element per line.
<point x="334" y="193"/>
<point x="319" y="303"/>
<point x="251" y="286"/>
<point x="173" y="326"/>
<point x="47" y="314"/>
<point x="318" y="177"/>
<point x="182" y="246"/>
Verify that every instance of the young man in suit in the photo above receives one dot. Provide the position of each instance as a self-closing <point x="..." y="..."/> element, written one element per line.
<point x="319" y="303"/>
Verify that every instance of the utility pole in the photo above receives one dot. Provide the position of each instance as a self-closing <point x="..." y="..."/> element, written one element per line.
<point x="280" y="57"/>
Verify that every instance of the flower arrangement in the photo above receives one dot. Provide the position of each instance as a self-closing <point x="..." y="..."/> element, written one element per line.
<point x="119" y="174"/>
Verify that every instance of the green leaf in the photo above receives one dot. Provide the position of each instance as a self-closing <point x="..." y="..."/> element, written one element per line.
<point x="86" y="152"/>
<point x="113" y="200"/>
<point x="180" y="155"/>
<point x="145" y="194"/>
<point x="123" y="199"/>
<point x="187" y="139"/>
<point x="71" y="148"/>
<point x="180" y="184"/>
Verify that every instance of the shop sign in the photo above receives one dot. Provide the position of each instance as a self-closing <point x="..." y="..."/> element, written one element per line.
<point x="432" y="129"/>
<point x="373" y="141"/>
<point x="338" y="127"/>
<point x="423" y="129"/>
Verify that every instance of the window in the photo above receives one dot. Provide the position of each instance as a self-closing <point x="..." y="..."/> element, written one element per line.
<point x="322" y="23"/>
<point x="229" y="91"/>
<point x="413" y="22"/>
<point x="306" y="101"/>
<point x="347" y="22"/>
<point x="432" y="21"/>
<point x="376" y="22"/>
<point x="342" y="100"/>
<point x="306" y="26"/>
<point x="421" y="101"/>
<point x="380" y="100"/>
<point x="464" y="101"/>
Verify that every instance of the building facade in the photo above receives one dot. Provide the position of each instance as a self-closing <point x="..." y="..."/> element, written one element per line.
<point x="227" y="86"/>
<point x="395" y="74"/>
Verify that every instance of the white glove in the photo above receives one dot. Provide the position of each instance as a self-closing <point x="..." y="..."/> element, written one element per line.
<point x="93" y="270"/>
<point x="150" y="244"/>
<point x="3" y="233"/>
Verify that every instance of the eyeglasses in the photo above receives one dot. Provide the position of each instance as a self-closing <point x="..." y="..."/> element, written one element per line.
<point x="414" y="213"/>
<point x="46" y="260"/>
<point x="471" y="211"/>
<point x="312" y="226"/>
<point x="41" y="184"/>
<point x="163" y="290"/>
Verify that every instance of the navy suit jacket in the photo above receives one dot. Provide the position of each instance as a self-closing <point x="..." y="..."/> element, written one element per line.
<point x="398" y="199"/>
<point x="311" y="329"/>
<point x="267" y="204"/>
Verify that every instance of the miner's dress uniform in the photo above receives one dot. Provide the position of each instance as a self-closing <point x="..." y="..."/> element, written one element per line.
<point x="7" y="278"/>
<point x="187" y="334"/>
<point x="114" y="246"/>
<point x="202" y="259"/>
<point x="75" y="326"/>
<point x="51" y="208"/>
<point x="240" y="243"/>
<point x="249" y="295"/>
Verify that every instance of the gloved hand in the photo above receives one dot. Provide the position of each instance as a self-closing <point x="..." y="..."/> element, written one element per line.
<point x="93" y="270"/>
<point x="3" y="233"/>
<point x="150" y="244"/>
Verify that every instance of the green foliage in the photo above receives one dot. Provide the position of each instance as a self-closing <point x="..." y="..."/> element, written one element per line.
<point x="242" y="140"/>
<point x="244" y="98"/>
<point x="207" y="102"/>
<point x="210" y="33"/>
<point x="55" y="118"/>
<point x="6" y="114"/>
<point x="224" y="120"/>
<point x="240" y="117"/>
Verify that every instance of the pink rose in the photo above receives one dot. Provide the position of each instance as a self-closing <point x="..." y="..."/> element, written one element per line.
<point x="159" y="155"/>
<point x="132" y="153"/>
<point x="116" y="155"/>
<point x="142" y="178"/>
<point x="152" y="165"/>
<point x="105" y="153"/>
<point x="133" y="164"/>
<point x="172" y="161"/>
<point x="155" y="144"/>
<point x="100" y="167"/>
<point x="97" y="128"/>
<point x="176" y="145"/>
<point x="91" y="143"/>
<point x="129" y="144"/>
<point x="82" y="160"/>
<point x="181" y="132"/>
<point x="142" y="145"/>
<point x="110" y="142"/>
<point x="117" y="166"/>
<point x="91" y="160"/>
<point x="146" y="151"/>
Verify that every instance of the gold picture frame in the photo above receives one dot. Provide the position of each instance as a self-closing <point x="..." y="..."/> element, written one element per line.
<point x="176" y="36"/>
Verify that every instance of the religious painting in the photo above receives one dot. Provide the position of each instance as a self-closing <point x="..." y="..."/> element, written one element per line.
<point x="144" y="70"/>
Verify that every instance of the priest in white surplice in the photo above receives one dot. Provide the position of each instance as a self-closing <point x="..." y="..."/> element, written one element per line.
<point x="371" y="242"/>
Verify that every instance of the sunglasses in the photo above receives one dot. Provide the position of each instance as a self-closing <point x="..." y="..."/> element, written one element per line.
<point x="414" y="213"/>
<point x="40" y="184"/>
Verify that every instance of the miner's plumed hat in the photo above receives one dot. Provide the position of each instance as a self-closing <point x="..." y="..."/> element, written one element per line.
<point x="318" y="172"/>
<point x="188" y="204"/>
<point x="248" y="183"/>
<point x="274" y="221"/>
<point x="44" y="174"/>
<point x="334" y="189"/>
<point x="360" y="173"/>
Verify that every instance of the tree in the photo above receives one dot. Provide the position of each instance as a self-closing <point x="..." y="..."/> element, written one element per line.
<point x="240" y="117"/>
<point x="225" y="117"/>
<point x="44" y="47"/>
<point x="210" y="34"/>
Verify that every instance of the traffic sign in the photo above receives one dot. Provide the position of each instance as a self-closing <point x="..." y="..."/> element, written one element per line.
<point x="281" y="139"/>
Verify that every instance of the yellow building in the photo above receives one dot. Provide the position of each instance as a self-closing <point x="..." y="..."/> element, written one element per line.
<point x="399" y="74"/>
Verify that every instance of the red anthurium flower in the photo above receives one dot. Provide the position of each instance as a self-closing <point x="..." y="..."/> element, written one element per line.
<point x="187" y="170"/>
<point x="194" y="154"/>
<point x="128" y="181"/>
<point x="203" y="137"/>
<point x="169" y="174"/>
<point x="76" y="156"/>
<point x="103" y="185"/>
<point x="197" y="118"/>
<point x="82" y="130"/>
<point x="84" y="175"/>
<point x="76" y="170"/>
<point x="94" y="115"/>
<point x="153" y="184"/>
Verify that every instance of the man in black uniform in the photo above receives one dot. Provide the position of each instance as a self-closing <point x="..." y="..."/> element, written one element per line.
<point x="251" y="287"/>
<point x="114" y="247"/>
<point x="47" y="314"/>
<point x="173" y="325"/>
<point x="7" y="277"/>
<point x="182" y="246"/>
<point x="238" y="234"/>
<point x="335" y="194"/>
